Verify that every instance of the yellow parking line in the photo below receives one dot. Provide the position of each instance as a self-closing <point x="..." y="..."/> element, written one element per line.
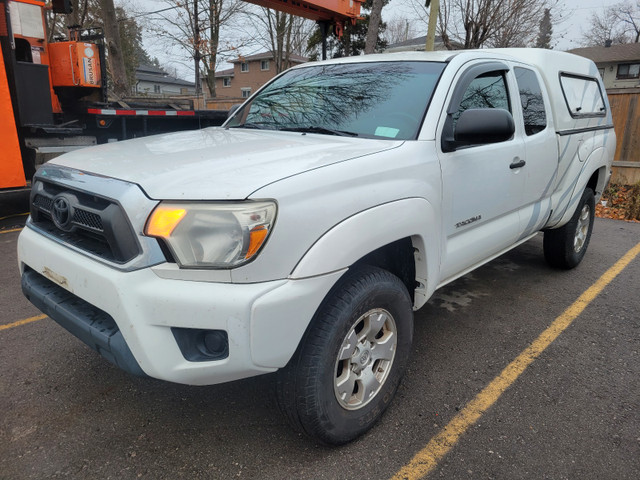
<point x="15" y="215"/>
<point x="22" y="322"/>
<point x="427" y="458"/>
<point x="10" y="230"/>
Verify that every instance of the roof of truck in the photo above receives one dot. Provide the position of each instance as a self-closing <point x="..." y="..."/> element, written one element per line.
<point x="545" y="60"/>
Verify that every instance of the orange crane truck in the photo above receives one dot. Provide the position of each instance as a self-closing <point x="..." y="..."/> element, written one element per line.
<point x="53" y="95"/>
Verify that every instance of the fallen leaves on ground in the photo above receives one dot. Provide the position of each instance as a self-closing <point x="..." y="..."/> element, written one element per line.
<point x="617" y="200"/>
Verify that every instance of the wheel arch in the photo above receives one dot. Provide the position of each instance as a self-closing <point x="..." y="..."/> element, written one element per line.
<point x="595" y="175"/>
<point x="399" y="231"/>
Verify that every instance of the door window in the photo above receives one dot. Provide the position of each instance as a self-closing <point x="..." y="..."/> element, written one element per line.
<point x="488" y="90"/>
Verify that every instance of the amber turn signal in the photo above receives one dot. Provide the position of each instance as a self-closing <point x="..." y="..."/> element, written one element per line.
<point x="163" y="220"/>
<point x="256" y="239"/>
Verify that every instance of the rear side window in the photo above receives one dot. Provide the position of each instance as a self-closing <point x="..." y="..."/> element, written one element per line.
<point x="535" y="117"/>
<point x="583" y="96"/>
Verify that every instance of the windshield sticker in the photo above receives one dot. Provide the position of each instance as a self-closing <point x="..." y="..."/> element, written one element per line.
<point x="387" y="132"/>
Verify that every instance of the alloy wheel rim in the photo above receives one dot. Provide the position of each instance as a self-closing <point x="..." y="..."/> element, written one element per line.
<point x="582" y="229"/>
<point x="365" y="359"/>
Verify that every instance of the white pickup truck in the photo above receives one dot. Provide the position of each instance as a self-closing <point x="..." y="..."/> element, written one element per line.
<point x="300" y="236"/>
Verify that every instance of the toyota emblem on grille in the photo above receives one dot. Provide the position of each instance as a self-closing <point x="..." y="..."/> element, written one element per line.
<point x="62" y="213"/>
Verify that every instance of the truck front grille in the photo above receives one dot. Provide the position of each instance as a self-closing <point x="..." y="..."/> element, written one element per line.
<point x="91" y="223"/>
<point x="88" y="219"/>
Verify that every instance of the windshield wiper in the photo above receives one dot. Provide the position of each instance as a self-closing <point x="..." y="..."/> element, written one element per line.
<point x="321" y="130"/>
<point x="255" y="125"/>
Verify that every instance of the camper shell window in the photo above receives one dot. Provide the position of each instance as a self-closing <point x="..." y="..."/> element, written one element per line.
<point x="583" y="96"/>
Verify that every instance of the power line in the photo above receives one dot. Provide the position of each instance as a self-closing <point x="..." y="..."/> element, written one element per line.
<point x="144" y="14"/>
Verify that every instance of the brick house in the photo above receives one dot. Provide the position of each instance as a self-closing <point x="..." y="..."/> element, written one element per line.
<point x="248" y="74"/>
<point x="619" y="65"/>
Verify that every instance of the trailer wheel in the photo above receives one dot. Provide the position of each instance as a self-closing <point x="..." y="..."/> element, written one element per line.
<point x="350" y="362"/>
<point x="566" y="246"/>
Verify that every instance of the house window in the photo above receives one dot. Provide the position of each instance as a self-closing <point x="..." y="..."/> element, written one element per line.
<point x="264" y="65"/>
<point x="156" y="89"/>
<point x="226" y="82"/>
<point x="628" y="70"/>
<point x="246" y="92"/>
<point x="244" y="67"/>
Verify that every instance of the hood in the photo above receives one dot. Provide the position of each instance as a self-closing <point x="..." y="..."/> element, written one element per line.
<point x="216" y="163"/>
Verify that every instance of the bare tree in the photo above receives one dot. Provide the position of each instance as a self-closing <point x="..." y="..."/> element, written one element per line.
<point x="177" y="27"/>
<point x="398" y="30"/>
<point x="493" y="23"/>
<point x="628" y="15"/>
<point x="218" y="14"/>
<point x="619" y="23"/>
<point x="281" y="33"/>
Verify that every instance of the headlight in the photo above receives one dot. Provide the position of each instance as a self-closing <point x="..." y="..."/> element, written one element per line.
<point x="212" y="235"/>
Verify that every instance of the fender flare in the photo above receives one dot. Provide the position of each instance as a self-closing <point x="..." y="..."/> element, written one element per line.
<point x="353" y="238"/>
<point x="595" y="161"/>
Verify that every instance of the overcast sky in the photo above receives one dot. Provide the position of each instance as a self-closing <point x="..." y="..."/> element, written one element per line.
<point x="577" y="17"/>
<point x="566" y="35"/>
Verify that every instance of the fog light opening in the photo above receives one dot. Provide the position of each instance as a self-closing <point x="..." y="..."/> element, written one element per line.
<point x="200" y="345"/>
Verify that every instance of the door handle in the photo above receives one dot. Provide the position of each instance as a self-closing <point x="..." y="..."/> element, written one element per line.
<point x="517" y="163"/>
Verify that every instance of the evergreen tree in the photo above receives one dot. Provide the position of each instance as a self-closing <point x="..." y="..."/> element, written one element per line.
<point x="132" y="48"/>
<point x="546" y="30"/>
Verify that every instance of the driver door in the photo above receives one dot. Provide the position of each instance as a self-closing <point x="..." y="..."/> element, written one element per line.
<point x="482" y="183"/>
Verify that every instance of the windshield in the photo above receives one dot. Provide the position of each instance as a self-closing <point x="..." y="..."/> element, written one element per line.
<point x="374" y="100"/>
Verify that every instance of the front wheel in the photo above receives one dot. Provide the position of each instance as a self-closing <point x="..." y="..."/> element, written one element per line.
<point x="351" y="360"/>
<point x="565" y="247"/>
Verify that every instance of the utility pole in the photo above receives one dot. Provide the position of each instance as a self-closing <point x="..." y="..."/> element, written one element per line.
<point x="433" y="18"/>
<point x="196" y="55"/>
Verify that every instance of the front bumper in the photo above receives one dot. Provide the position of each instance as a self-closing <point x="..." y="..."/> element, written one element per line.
<point x="264" y="321"/>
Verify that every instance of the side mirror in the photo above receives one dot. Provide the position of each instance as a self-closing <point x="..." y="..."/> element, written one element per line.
<point x="481" y="126"/>
<point x="233" y="109"/>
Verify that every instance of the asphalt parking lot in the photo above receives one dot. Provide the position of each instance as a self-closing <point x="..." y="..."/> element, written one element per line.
<point x="572" y="413"/>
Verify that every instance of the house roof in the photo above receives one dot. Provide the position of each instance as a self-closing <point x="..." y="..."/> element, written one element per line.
<point x="615" y="53"/>
<point x="268" y="55"/>
<point x="224" y="73"/>
<point x="418" y="43"/>
<point x="147" y="73"/>
<point x="150" y="69"/>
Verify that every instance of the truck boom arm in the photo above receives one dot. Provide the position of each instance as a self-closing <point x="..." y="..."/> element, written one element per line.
<point x="333" y="11"/>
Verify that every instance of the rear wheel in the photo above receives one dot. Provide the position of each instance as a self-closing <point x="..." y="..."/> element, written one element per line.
<point x="566" y="246"/>
<point x="351" y="360"/>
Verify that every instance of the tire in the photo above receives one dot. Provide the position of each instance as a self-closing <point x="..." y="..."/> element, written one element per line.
<point x="350" y="361"/>
<point x="565" y="247"/>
